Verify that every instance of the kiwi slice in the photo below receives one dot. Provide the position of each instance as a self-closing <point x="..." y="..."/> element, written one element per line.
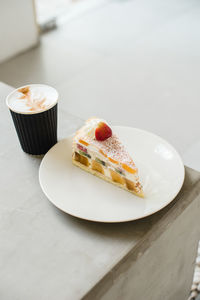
<point x="119" y="171"/>
<point x="100" y="161"/>
<point x="84" y="154"/>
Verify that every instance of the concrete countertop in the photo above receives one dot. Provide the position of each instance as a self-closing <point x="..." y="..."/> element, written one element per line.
<point x="46" y="254"/>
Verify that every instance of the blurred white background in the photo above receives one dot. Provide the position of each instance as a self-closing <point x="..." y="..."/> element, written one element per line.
<point x="18" y="28"/>
<point x="133" y="62"/>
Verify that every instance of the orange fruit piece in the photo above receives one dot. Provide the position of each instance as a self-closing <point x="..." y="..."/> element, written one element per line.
<point x="101" y="151"/>
<point x="129" y="169"/>
<point x="83" y="142"/>
<point x="116" y="177"/>
<point x="112" y="160"/>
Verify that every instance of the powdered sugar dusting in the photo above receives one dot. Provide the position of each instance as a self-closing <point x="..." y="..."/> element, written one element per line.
<point x="112" y="147"/>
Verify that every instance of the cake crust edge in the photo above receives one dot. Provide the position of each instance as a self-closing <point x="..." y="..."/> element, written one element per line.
<point x="93" y="172"/>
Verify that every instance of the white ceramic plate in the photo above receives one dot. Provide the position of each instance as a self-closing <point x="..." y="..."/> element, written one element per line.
<point x="83" y="195"/>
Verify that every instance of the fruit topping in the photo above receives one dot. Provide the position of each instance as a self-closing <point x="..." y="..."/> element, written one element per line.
<point x="102" y="132"/>
<point x="119" y="171"/>
<point x="116" y="177"/>
<point x="83" y="142"/>
<point x="129" y="169"/>
<point x="101" y="151"/>
<point x="97" y="167"/>
<point x="80" y="147"/>
<point x="100" y="161"/>
<point x="130" y="184"/>
<point x="82" y="159"/>
<point x="112" y="160"/>
<point x="84" y="154"/>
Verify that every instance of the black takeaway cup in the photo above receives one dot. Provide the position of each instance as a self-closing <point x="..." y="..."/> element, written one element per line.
<point x="34" y="112"/>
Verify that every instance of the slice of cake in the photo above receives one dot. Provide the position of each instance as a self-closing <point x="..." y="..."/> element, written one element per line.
<point x="98" y="150"/>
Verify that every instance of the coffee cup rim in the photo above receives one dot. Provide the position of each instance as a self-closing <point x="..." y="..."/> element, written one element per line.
<point x="28" y="112"/>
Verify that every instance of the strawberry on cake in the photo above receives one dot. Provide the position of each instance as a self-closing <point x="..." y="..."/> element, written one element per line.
<point x="98" y="150"/>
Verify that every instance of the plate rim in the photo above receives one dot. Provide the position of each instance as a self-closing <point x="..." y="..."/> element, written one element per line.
<point x="117" y="221"/>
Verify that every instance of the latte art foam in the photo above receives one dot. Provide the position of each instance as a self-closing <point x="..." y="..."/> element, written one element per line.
<point x="32" y="98"/>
